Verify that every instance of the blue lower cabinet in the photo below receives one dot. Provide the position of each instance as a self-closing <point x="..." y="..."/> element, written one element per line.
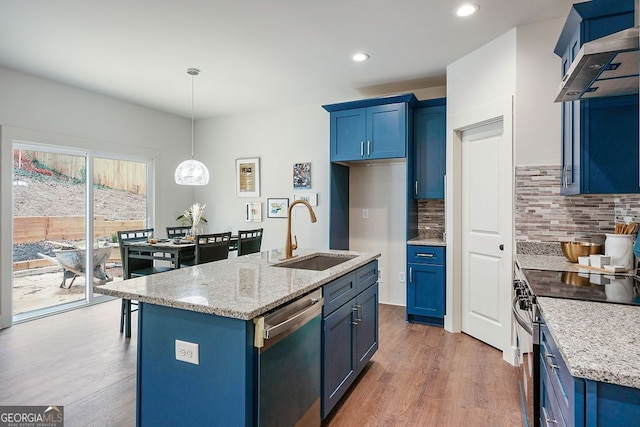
<point x="173" y="392"/>
<point x="349" y="336"/>
<point x="426" y="284"/>
<point x="572" y="401"/>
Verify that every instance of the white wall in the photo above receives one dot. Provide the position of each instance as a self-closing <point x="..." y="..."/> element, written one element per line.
<point x="538" y="130"/>
<point x="381" y="189"/>
<point x="39" y="110"/>
<point x="520" y="63"/>
<point x="101" y="123"/>
<point x="484" y="76"/>
<point x="279" y="138"/>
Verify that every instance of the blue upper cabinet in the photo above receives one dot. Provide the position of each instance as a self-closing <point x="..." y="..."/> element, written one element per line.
<point x="600" y="152"/>
<point x="369" y="129"/>
<point x="429" y="160"/>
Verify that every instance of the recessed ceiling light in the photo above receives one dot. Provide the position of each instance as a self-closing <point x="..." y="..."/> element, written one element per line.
<point x="467" y="9"/>
<point x="359" y="57"/>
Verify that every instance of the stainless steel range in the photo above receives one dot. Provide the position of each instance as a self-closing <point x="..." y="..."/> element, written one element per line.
<point x="585" y="286"/>
<point x="527" y="326"/>
<point x="530" y="284"/>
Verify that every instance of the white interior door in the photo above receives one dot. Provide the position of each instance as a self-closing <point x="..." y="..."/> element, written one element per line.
<point x="487" y="190"/>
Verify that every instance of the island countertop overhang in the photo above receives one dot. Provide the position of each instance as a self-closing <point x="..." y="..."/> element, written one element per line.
<point x="241" y="288"/>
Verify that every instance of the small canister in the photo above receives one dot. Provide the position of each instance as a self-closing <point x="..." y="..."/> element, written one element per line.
<point x="620" y="248"/>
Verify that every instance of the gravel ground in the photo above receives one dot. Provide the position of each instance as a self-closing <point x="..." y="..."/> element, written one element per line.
<point x="28" y="251"/>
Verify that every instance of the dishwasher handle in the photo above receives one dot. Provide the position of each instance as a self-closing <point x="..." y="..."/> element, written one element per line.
<point x="295" y="321"/>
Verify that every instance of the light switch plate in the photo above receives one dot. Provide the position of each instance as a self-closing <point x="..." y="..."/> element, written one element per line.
<point x="187" y="352"/>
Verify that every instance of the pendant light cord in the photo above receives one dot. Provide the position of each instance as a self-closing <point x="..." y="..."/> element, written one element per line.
<point x="192" y="76"/>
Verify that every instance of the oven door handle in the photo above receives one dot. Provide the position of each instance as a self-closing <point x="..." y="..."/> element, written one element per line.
<point x="522" y="322"/>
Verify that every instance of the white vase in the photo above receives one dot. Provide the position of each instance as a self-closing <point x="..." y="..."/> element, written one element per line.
<point x="620" y="248"/>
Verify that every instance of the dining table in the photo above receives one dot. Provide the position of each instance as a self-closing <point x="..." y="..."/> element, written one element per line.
<point x="176" y="252"/>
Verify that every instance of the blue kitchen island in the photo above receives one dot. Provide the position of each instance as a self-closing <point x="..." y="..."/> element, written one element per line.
<point x="201" y="347"/>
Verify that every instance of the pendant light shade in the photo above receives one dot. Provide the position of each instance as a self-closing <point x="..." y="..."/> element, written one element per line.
<point x="192" y="172"/>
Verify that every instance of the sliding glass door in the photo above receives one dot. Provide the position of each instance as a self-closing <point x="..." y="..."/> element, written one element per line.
<point x="67" y="208"/>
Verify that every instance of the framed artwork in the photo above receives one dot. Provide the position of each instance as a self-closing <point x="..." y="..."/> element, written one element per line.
<point x="253" y="212"/>
<point x="277" y="208"/>
<point x="248" y="177"/>
<point x="311" y="198"/>
<point x="302" y="175"/>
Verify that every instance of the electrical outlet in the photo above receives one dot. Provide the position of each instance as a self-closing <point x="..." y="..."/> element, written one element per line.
<point x="403" y="277"/>
<point x="365" y="213"/>
<point x="187" y="352"/>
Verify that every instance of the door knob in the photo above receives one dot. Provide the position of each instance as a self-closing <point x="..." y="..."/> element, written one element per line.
<point x="501" y="247"/>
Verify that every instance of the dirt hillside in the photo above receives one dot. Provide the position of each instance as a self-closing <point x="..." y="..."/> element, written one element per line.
<point x="43" y="196"/>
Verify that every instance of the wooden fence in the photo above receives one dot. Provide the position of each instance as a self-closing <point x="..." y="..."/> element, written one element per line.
<point x="29" y="229"/>
<point x="119" y="174"/>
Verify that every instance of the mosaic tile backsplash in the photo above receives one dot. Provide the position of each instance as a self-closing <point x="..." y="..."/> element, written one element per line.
<point x="431" y="218"/>
<point x="543" y="215"/>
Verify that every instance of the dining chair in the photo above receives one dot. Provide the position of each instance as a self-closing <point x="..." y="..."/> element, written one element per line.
<point x="249" y="241"/>
<point x="134" y="268"/>
<point x="212" y="247"/>
<point x="180" y="231"/>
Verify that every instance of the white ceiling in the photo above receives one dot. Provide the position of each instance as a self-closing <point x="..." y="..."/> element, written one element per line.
<point x="253" y="54"/>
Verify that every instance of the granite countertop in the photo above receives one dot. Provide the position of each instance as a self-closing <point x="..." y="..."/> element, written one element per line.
<point x="422" y="241"/>
<point x="598" y="341"/>
<point x="243" y="288"/>
<point x="546" y="262"/>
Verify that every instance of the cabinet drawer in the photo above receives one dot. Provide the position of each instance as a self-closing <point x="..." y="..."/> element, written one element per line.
<point x="366" y="276"/>
<point x="562" y="382"/>
<point x="338" y="292"/>
<point x="550" y="413"/>
<point x="425" y="254"/>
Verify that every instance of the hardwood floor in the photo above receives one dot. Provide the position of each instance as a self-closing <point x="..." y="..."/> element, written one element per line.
<point x="420" y="376"/>
<point x="424" y="376"/>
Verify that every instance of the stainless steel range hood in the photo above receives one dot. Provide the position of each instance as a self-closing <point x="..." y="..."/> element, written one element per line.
<point x="607" y="66"/>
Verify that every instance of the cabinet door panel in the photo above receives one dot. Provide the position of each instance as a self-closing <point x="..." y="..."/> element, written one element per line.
<point x="367" y="328"/>
<point x="339" y="363"/>
<point x="611" y="152"/>
<point x="386" y="131"/>
<point x="430" y="147"/>
<point x="425" y="290"/>
<point x="347" y="134"/>
<point x="338" y="292"/>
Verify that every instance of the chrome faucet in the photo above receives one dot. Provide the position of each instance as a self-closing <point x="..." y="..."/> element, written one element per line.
<point x="291" y="246"/>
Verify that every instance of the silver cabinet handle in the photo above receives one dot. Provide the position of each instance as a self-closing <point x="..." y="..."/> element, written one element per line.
<point x="550" y="363"/>
<point x="410" y="274"/>
<point x="368" y="148"/>
<point x="547" y="420"/>
<point x="415" y="191"/>
<point x="425" y="255"/>
<point x="361" y="148"/>
<point x="358" y="311"/>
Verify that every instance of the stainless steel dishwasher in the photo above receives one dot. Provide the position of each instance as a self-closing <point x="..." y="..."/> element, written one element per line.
<point x="288" y="342"/>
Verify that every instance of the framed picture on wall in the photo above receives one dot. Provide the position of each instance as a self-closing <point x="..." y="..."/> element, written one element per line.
<point x="302" y="175"/>
<point x="277" y="208"/>
<point x="311" y="198"/>
<point x="248" y="177"/>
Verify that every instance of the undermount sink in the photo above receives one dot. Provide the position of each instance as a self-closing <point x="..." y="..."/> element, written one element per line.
<point x="319" y="262"/>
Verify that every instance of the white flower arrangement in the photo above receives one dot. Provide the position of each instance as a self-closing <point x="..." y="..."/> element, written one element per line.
<point x="193" y="215"/>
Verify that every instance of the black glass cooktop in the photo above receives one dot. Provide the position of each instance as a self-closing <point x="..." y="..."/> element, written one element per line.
<point x="586" y="286"/>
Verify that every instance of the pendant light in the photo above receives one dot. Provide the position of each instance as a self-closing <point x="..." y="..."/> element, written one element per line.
<point x="192" y="172"/>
